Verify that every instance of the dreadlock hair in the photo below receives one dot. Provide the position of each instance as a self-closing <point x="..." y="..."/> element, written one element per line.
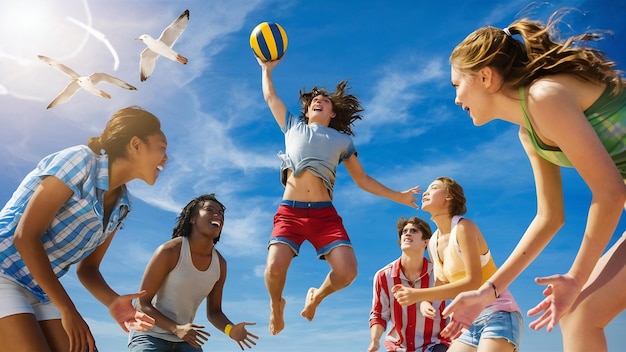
<point x="190" y="211"/>
<point x="345" y="106"/>
<point x="538" y="54"/>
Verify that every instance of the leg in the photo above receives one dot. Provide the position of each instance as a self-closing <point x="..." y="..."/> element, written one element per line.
<point x="495" y="345"/>
<point x="343" y="269"/>
<point x="21" y="332"/>
<point x="458" y="346"/>
<point x="601" y="300"/>
<point x="55" y="334"/>
<point x="279" y="258"/>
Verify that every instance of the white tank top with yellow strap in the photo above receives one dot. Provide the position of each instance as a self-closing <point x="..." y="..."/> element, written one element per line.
<point x="451" y="268"/>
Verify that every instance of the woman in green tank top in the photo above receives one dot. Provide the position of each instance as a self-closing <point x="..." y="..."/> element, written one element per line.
<point x="570" y="105"/>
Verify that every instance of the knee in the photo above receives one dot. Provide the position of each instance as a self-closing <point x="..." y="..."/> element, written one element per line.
<point x="345" y="276"/>
<point x="275" y="269"/>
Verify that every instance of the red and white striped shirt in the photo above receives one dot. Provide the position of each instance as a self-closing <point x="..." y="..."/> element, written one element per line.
<point x="410" y="330"/>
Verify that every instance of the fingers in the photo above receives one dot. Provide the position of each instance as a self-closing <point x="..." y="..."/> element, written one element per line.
<point x="449" y="309"/>
<point x="396" y="288"/>
<point x="542" y="306"/>
<point x="452" y="330"/>
<point x="131" y="296"/>
<point x="143" y="317"/>
<point x="203" y="334"/>
<point x="545" y="319"/>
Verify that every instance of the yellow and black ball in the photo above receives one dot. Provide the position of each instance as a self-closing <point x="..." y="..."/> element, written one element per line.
<point x="268" y="41"/>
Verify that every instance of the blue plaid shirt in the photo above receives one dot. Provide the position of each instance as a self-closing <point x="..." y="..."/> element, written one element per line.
<point x="77" y="229"/>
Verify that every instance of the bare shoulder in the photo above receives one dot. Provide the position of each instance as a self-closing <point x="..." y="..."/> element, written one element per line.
<point x="564" y="88"/>
<point x="170" y="250"/>
<point x="220" y="257"/>
<point x="467" y="226"/>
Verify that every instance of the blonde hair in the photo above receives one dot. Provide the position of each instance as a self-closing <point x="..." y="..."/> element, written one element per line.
<point x="520" y="62"/>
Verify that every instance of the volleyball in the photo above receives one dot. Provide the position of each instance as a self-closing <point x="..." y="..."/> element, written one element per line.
<point x="268" y="41"/>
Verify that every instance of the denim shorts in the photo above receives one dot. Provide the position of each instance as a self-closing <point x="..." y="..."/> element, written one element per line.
<point x="16" y="300"/>
<point x="145" y="342"/>
<point x="494" y="325"/>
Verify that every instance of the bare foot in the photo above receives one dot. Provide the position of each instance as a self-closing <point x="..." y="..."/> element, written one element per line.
<point x="310" y="304"/>
<point x="277" y="323"/>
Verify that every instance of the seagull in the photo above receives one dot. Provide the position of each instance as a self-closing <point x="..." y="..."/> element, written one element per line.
<point x="88" y="83"/>
<point x="162" y="46"/>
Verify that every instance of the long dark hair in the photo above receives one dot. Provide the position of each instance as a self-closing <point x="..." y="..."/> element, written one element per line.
<point x="345" y="106"/>
<point x="183" y="221"/>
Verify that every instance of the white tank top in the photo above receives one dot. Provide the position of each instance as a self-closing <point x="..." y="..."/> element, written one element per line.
<point x="184" y="288"/>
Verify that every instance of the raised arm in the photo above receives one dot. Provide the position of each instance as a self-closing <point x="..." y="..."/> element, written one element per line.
<point x="276" y="105"/>
<point x="371" y="185"/>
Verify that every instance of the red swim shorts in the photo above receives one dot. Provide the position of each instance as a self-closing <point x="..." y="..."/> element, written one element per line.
<point x="317" y="222"/>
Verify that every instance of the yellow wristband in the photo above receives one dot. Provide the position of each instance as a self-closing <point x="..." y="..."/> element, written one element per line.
<point x="227" y="329"/>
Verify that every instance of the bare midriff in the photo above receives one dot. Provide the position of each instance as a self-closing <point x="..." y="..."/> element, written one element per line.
<point x="305" y="188"/>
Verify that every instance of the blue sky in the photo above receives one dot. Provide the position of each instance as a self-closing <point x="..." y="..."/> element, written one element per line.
<point x="223" y="139"/>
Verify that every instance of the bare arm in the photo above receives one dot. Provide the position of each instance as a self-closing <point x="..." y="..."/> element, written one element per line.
<point x="216" y="316"/>
<point x="376" y="332"/>
<point x="276" y="105"/>
<point x="468" y="236"/>
<point x="120" y="306"/>
<point x="45" y="203"/>
<point x="561" y="120"/>
<point x="559" y="117"/>
<point x="161" y="264"/>
<point x="371" y="185"/>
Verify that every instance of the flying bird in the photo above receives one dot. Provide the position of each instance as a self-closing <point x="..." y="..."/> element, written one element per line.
<point x="88" y="83"/>
<point x="162" y="46"/>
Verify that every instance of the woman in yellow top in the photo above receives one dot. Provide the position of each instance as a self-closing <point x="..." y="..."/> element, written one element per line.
<point x="463" y="262"/>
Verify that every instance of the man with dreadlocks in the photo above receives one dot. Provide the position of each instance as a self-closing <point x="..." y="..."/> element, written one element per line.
<point x="315" y="143"/>
<point x="181" y="274"/>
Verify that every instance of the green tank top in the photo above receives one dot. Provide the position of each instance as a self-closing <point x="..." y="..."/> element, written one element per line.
<point x="607" y="116"/>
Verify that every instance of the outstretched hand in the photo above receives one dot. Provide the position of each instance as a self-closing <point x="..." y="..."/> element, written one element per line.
<point x="560" y="294"/>
<point x="408" y="197"/>
<point x="122" y="310"/>
<point x="464" y="309"/>
<point x="242" y="336"/>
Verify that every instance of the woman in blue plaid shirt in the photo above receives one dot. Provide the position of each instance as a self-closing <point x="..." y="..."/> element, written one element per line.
<point x="66" y="211"/>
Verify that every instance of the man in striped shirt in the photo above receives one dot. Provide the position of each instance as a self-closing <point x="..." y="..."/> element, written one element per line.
<point x="413" y="328"/>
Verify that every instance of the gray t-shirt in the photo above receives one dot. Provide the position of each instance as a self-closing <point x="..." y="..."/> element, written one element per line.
<point x="314" y="147"/>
